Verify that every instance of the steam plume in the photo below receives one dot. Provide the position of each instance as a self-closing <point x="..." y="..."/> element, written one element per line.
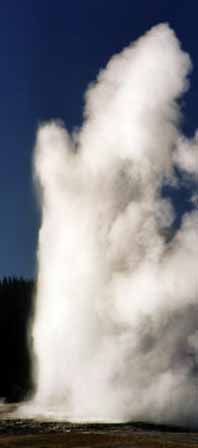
<point x="116" y="326"/>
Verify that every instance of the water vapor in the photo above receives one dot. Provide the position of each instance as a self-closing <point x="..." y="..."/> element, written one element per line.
<point x="116" y="323"/>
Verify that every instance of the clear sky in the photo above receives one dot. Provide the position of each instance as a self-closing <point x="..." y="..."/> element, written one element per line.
<point x="50" y="51"/>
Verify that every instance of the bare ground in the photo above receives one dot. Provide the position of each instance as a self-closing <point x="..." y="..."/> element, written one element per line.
<point x="24" y="433"/>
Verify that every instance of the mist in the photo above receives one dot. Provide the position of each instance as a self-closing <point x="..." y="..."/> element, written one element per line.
<point x="115" y="333"/>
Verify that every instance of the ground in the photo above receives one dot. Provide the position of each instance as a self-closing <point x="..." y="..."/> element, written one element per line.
<point x="28" y="433"/>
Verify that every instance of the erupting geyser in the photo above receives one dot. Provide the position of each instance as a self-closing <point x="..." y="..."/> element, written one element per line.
<point x="116" y="321"/>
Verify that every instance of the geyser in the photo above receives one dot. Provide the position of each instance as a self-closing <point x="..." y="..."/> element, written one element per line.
<point x="116" y="321"/>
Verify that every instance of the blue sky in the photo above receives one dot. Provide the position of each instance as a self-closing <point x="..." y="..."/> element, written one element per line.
<point x="50" y="51"/>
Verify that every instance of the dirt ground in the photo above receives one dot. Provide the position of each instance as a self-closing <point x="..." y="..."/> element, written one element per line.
<point x="106" y="440"/>
<point x="22" y="433"/>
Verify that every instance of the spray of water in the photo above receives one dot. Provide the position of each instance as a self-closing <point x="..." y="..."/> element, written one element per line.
<point x="116" y="324"/>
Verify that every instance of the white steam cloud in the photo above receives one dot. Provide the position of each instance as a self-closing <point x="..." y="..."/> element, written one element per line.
<point x="116" y="322"/>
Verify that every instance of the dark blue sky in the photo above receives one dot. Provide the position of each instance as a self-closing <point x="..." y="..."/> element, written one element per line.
<point x="49" y="52"/>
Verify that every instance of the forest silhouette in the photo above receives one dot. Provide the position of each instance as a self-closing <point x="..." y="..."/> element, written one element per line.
<point x="16" y="296"/>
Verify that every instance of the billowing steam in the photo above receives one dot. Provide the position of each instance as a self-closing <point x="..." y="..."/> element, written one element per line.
<point x="116" y="323"/>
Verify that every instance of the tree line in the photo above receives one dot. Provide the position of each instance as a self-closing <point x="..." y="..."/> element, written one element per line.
<point x="16" y="299"/>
